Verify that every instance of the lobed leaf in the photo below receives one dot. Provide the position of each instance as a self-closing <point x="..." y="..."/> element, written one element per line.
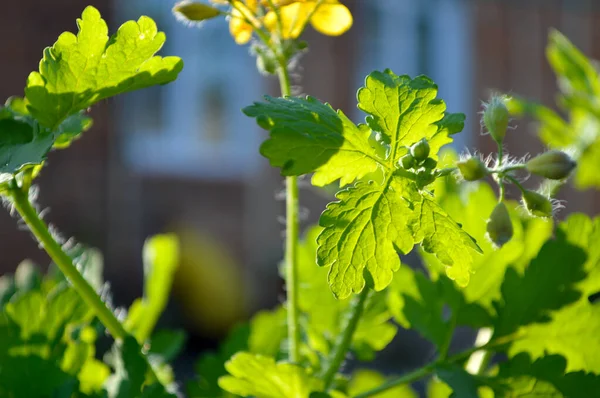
<point x="308" y="136"/>
<point x="257" y="375"/>
<point x="80" y="70"/>
<point x="363" y="232"/>
<point x="547" y="285"/>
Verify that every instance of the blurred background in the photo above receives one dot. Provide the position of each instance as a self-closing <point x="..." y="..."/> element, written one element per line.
<point x="182" y="158"/>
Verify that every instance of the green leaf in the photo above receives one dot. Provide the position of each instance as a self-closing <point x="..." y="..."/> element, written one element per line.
<point x="161" y="258"/>
<point x="22" y="144"/>
<point x="363" y="232"/>
<point x="470" y="205"/>
<point x="70" y="129"/>
<point x="405" y="111"/>
<point x="130" y="369"/>
<point x="545" y="377"/>
<point x="211" y="366"/>
<point x="439" y="234"/>
<point x="167" y="344"/>
<point x="363" y="380"/>
<point x="268" y="330"/>
<point x="308" y="136"/>
<point x="547" y="284"/>
<point x="433" y="308"/>
<point x="261" y="376"/>
<point x="32" y="376"/>
<point x="463" y="384"/>
<point x="324" y="312"/>
<point x="573" y="329"/>
<point x="78" y="71"/>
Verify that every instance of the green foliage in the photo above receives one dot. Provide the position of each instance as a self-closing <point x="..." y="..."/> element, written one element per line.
<point x="80" y="70"/>
<point x="161" y="257"/>
<point x="579" y="86"/>
<point x="257" y="375"/>
<point x="532" y="285"/>
<point x="372" y="221"/>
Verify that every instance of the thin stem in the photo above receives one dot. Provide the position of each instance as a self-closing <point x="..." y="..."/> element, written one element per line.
<point x="63" y="261"/>
<point x="448" y="340"/>
<point x="342" y="344"/>
<point x="430" y="368"/>
<point x="507" y="169"/>
<point x="291" y="236"/>
<point x="499" y="178"/>
<point x="408" y="378"/>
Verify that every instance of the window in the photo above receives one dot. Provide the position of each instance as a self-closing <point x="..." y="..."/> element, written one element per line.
<point x="193" y="127"/>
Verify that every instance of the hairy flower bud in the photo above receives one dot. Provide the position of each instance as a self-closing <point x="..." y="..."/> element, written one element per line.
<point x="537" y="204"/>
<point x="420" y="150"/>
<point x="499" y="226"/>
<point x="495" y="118"/>
<point x="195" y="12"/>
<point x="472" y="169"/>
<point x="553" y="164"/>
<point x="407" y="161"/>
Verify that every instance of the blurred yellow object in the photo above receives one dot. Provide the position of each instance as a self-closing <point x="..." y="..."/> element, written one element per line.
<point x="208" y="284"/>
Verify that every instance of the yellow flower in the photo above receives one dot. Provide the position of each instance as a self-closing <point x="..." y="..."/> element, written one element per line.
<point x="330" y="18"/>
<point x="243" y="11"/>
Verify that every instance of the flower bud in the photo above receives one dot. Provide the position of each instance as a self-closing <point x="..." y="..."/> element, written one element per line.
<point x="430" y="163"/>
<point x="499" y="226"/>
<point x="420" y="150"/>
<point x="495" y="118"/>
<point x="407" y="161"/>
<point x="553" y="164"/>
<point x="537" y="204"/>
<point x="472" y="169"/>
<point x="195" y="12"/>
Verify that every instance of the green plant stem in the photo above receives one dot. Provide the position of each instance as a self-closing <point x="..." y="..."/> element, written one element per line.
<point x="405" y="379"/>
<point x="36" y="225"/>
<point x="292" y="234"/>
<point x="65" y="264"/>
<point x="342" y="344"/>
<point x="430" y="368"/>
<point x="499" y="177"/>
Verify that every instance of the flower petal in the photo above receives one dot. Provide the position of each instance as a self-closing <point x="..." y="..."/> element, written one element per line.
<point x="332" y="19"/>
<point x="240" y="30"/>
<point x="293" y="19"/>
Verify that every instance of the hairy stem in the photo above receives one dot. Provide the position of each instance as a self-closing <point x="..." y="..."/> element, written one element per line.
<point x="499" y="178"/>
<point x="291" y="236"/>
<point x="63" y="261"/>
<point x="342" y="344"/>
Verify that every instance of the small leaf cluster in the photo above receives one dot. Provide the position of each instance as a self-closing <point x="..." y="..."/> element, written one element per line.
<point x="47" y="331"/>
